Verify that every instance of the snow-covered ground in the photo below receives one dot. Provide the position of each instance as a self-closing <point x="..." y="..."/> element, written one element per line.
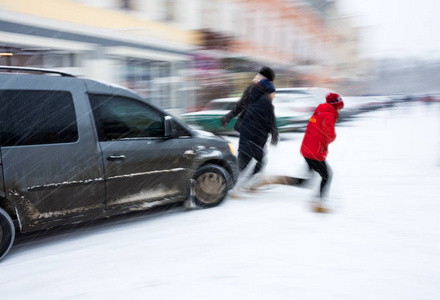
<point x="381" y="241"/>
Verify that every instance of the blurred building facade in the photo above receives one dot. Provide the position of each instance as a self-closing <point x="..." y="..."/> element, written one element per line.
<point x="183" y="53"/>
<point x="105" y="44"/>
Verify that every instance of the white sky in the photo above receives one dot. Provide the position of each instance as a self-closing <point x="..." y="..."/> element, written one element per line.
<point x="397" y="27"/>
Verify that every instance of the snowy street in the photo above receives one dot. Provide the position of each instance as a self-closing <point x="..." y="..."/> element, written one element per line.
<point x="380" y="241"/>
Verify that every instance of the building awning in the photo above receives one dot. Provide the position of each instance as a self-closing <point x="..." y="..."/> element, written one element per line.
<point x="145" y="54"/>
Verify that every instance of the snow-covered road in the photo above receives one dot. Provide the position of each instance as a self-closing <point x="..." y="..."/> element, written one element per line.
<point x="382" y="240"/>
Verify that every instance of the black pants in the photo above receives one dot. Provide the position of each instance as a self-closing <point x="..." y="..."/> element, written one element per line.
<point x="244" y="159"/>
<point x="324" y="171"/>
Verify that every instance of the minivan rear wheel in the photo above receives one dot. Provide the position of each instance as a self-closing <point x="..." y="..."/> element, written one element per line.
<point x="7" y="233"/>
<point x="211" y="185"/>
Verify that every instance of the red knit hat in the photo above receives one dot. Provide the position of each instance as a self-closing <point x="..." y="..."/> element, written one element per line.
<point x="335" y="100"/>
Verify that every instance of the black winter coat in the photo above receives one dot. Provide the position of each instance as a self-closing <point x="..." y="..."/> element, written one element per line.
<point x="257" y="123"/>
<point x="239" y="109"/>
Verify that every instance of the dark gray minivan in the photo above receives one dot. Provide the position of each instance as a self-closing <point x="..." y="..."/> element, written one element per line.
<point x="74" y="149"/>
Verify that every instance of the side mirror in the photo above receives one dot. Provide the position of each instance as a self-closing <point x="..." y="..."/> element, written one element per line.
<point x="170" y="128"/>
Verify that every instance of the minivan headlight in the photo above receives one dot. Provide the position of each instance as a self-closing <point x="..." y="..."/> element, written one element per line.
<point x="231" y="148"/>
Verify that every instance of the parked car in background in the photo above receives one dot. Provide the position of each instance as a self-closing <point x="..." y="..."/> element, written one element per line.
<point x="209" y="118"/>
<point x="74" y="150"/>
<point x="353" y="105"/>
<point x="298" y="102"/>
<point x="290" y="116"/>
<point x="427" y="97"/>
<point x="316" y="94"/>
<point x="306" y="99"/>
<point x="293" y="108"/>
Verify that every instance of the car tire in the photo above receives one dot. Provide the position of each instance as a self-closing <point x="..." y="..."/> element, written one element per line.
<point x="211" y="185"/>
<point x="7" y="233"/>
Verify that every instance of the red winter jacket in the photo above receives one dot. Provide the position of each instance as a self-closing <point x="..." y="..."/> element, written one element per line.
<point x="320" y="132"/>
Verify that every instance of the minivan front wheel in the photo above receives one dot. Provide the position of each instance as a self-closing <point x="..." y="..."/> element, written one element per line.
<point x="211" y="185"/>
<point x="7" y="233"/>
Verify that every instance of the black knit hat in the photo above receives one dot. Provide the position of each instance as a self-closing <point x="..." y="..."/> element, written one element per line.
<point x="268" y="73"/>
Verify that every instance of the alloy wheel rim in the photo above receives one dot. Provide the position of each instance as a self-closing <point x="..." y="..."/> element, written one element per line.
<point x="210" y="187"/>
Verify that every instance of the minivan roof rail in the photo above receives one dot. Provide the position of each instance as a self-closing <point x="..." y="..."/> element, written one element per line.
<point x="36" y="70"/>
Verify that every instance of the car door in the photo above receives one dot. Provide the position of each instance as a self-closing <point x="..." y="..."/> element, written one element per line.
<point x="142" y="166"/>
<point x="50" y="156"/>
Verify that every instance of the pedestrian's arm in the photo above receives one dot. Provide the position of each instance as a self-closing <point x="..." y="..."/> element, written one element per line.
<point x="274" y="130"/>
<point x="238" y="108"/>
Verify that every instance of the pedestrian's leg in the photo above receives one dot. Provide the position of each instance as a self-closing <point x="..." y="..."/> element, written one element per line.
<point x="258" y="167"/>
<point x="310" y="170"/>
<point x="258" y="153"/>
<point x="326" y="175"/>
<point x="283" y="180"/>
<point x="243" y="162"/>
<point x="256" y="175"/>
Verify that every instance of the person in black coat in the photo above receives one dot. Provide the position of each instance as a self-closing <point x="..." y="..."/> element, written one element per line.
<point x="258" y="122"/>
<point x="242" y="104"/>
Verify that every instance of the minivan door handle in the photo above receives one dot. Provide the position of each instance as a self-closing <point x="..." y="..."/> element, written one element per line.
<point x="116" y="157"/>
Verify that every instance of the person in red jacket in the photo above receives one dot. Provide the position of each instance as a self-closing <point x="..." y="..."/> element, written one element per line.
<point x="319" y="134"/>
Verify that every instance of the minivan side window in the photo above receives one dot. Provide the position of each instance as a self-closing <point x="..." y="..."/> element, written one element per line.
<point x="119" y="117"/>
<point x="33" y="117"/>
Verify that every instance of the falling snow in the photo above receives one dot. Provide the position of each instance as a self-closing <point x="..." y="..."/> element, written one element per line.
<point x="381" y="240"/>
